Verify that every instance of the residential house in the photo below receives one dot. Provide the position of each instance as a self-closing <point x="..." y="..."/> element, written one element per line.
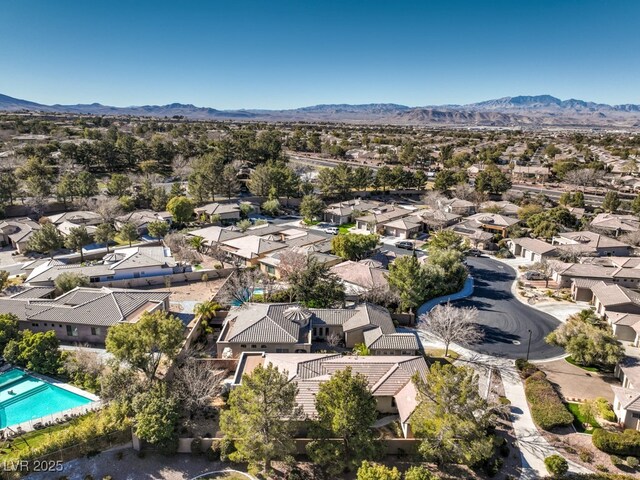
<point x="374" y="222"/>
<point x="389" y="378"/>
<point x="342" y="212"/>
<point x="142" y="218"/>
<point x="290" y="328"/>
<point x="248" y="250"/>
<point x="626" y="406"/>
<point x="406" y="227"/>
<point x="587" y="243"/>
<point x="614" y="224"/>
<point x="361" y="277"/>
<point x="436" y="219"/>
<point x="620" y="307"/>
<point x="457" y="206"/>
<point x="491" y="222"/>
<point x="122" y="264"/>
<point x="477" y="237"/>
<point x="82" y="314"/>
<point x="227" y="212"/>
<point x="17" y="232"/>
<point x="503" y="207"/>
<point x="215" y="235"/>
<point x="270" y="264"/>
<point x="78" y="217"/>
<point x="531" y="248"/>
<point x="530" y="172"/>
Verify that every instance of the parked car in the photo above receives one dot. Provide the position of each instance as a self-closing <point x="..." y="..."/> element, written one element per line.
<point x="533" y="275"/>
<point x="474" y="252"/>
<point x="406" y="245"/>
<point x="331" y="230"/>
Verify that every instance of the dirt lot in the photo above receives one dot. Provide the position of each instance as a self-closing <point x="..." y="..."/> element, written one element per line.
<point x="571" y="445"/>
<point x="193" y="291"/>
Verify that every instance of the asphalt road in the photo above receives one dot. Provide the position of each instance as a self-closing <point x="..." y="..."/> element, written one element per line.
<point x="504" y="319"/>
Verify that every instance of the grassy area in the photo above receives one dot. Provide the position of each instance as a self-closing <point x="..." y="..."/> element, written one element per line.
<point x="437" y="355"/>
<point x="124" y="243"/>
<point x="580" y="420"/>
<point x="312" y="222"/>
<point x="344" y="228"/>
<point x="588" y="369"/>
<point x="27" y="442"/>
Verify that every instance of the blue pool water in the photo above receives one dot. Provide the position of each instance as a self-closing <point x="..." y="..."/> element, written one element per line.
<point x="24" y="398"/>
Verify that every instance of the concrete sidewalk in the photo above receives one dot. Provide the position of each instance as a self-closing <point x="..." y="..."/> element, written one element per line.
<point x="533" y="447"/>
<point x="466" y="291"/>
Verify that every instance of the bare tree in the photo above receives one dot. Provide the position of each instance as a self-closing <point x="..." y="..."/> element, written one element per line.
<point x="108" y="208"/>
<point x="434" y="199"/>
<point x="543" y="267"/>
<point x="291" y="263"/>
<point x="449" y="323"/>
<point x="239" y="287"/>
<point x="631" y="238"/>
<point x="381" y="294"/>
<point x="333" y="339"/>
<point x="197" y="383"/>
<point x="582" y="177"/>
<point x="465" y="191"/>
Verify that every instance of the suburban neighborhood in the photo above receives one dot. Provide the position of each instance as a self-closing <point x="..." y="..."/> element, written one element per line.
<point x="316" y="241"/>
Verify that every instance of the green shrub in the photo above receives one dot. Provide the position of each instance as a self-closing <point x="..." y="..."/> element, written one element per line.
<point x="616" y="460"/>
<point x="419" y="472"/>
<point x="526" y="368"/>
<point x="633" y="462"/>
<point x="107" y="477"/>
<point x="626" y="443"/>
<point x="586" y="456"/>
<point x="227" y="447"/>
<point x="605" y="410"/>
<point x="547" y="408"/>
<point x="556" y="465"/>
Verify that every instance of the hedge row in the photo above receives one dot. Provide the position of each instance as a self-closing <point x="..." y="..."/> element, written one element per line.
<point x="547" y="408"/>
<point x="622" y="444"/>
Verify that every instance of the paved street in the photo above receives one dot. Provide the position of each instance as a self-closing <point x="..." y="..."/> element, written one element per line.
<point x="504" y="319"/>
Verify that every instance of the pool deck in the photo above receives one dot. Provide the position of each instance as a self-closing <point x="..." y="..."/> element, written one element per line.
<point x="27" y="426"/>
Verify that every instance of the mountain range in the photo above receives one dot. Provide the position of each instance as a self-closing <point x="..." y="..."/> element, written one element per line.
<point x="533" y="111"/>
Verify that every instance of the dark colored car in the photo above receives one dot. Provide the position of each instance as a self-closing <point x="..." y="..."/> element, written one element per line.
<point x="406" y="245"/>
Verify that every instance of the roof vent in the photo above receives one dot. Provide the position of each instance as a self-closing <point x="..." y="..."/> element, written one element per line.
<point x="297" y="314"/>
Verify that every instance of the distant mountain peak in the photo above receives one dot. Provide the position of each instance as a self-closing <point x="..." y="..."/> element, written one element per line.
<point x="521" y="110"/>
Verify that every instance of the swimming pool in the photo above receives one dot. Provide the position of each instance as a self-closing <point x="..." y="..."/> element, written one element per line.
<point x="24" y="398"/>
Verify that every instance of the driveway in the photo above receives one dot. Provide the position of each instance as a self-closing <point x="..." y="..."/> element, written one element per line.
<point x="505" y="320"/>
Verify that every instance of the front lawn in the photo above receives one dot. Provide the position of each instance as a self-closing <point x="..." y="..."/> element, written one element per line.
<point x="344" y="228"/>
<point x="580" y="420"/>
<point x="588" y="369"/>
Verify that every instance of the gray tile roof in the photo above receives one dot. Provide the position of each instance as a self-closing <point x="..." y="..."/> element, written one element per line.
<point x="84" y="306"/>
<point x="387" y="376"/>
<point x="376" y="340"/>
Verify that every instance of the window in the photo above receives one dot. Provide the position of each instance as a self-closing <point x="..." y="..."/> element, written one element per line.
<point x="72" y="331"/>
<point x="254" y="346"/>
<point x="635" y="415"/>
<point x="95" y="331"/>
<point x="243" y="346"/>
<point x="271" y="270"/>
<point x="45" y="324"/>
<point x="263" y="346"/>
<point x="282" y="350"/>
<point x="34" y="324"/>
<point x="60" y="326"/>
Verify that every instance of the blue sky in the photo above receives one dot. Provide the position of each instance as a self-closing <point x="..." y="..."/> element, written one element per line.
<point x="282" y="54"/>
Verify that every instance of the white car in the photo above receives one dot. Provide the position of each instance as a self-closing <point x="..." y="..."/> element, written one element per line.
<point x="331" y="230"/>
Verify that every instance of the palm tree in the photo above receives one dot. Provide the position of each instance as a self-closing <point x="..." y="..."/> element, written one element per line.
<point x="197" y="243"/>
<point x="207" y="309"/>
